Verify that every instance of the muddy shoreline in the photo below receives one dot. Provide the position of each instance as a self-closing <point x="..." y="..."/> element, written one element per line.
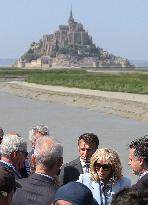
<point x="132" y="106"/>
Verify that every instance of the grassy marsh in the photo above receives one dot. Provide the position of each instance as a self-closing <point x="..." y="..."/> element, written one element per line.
<point x="131" y="82"/>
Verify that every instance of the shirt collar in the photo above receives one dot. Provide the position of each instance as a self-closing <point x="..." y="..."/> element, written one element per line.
<point x="141" y="175"/>
<point x="83" y="163"/>
<point x="7" y="163"/>
<point x="11" y="166"/>
<point x="45" y="175"/>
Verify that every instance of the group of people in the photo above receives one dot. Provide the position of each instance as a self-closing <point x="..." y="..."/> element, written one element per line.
<point x="94" y="178"/>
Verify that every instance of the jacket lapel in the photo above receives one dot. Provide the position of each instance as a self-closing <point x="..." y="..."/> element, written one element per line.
<point x="95" y="188"/>
<point x="78" y="165"/>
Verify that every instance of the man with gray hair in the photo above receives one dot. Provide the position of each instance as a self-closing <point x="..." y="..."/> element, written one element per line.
<point x="40" y="187"/>
<point x="35" y="133"/>
<point x="13" y="151"/>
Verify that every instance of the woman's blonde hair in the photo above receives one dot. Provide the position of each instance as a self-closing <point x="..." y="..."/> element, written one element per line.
<point x="110" y="157"/>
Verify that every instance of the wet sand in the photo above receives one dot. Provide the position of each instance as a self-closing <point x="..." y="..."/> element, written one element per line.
<point x="132" y="106"/>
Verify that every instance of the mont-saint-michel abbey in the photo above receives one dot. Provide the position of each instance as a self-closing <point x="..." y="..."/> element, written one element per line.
<point x="70" y="46"/>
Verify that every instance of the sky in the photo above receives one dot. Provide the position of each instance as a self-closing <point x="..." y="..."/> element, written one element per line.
<point x="118" y="26"/>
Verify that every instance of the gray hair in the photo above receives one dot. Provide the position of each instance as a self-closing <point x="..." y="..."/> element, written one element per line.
<point x="43" y="129"/>
<point x="47" y="151"/>
<point x="12" y="143"/>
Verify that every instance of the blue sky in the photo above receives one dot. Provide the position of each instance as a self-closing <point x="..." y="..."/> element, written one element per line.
<point x="118" y="26"/>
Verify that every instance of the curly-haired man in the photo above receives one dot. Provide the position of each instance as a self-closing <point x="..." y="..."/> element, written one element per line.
<point x="138" y="160"/>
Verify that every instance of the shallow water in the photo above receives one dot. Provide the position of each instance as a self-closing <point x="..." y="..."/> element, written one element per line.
<point x="67" y="123"/>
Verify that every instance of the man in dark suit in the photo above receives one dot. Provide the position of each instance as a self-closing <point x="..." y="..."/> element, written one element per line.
<point x="138" y="160"/>
<point x="87" y="145"/>
<point x="40" y="187"/>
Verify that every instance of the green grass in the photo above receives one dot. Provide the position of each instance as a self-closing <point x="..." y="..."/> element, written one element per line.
<point x="118" y="82"/>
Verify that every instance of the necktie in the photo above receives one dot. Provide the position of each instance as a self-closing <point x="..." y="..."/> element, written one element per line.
<point x="86" y="168"/>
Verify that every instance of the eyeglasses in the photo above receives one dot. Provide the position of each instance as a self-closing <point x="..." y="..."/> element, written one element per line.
<point x="105" y="167"/>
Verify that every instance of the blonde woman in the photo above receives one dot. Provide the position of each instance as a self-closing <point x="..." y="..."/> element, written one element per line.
<point x="105" y="177"/>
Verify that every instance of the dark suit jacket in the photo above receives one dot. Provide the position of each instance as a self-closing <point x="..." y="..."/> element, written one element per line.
<point x="11" y="169"/>
<point x="70" y="171"/>
<point x="142" y="183"/>
<point x="36" y="190"/>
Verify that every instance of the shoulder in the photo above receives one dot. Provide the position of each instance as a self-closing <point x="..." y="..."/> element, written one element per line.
<point x="22" y="181"/>
<point x="143" y="182"/>
<point x="125" y="181"/>
<point x="75" y="163"/>
<point x="144" y="178"/>
<point x="72" y="163"/>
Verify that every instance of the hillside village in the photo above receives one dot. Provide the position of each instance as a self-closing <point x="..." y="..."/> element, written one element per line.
<point x="70" y="46"/>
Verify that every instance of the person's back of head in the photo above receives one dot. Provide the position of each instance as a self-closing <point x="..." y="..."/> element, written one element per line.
<point x="48" y="152"/>
<point x="75" y="193"/>
<point x="130" y="196"/>
<point x="7" y="186"/>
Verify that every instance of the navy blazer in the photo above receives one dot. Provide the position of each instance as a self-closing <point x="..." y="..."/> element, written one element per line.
<point x="11" y="169"/>
<point x="36" y="190"/>
<point x="142" y="183"/>
<point x="70" y="171"/>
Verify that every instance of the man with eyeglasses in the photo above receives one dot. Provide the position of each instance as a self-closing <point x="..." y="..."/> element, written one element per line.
<point x="87" y="145"/>
<point x="13" y="153"/>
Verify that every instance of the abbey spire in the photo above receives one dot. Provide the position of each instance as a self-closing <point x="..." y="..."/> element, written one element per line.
<point x="71" y="19"/>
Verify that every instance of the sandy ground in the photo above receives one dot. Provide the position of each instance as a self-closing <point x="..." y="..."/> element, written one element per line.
<point x="133" y="106"/>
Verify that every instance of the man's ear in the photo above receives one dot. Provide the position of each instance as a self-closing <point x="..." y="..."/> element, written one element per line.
<point x="60" y="162"/>
<point x="141" y="160"/>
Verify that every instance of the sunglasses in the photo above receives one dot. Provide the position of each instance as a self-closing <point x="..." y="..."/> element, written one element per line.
<point x="105" y="167"/>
